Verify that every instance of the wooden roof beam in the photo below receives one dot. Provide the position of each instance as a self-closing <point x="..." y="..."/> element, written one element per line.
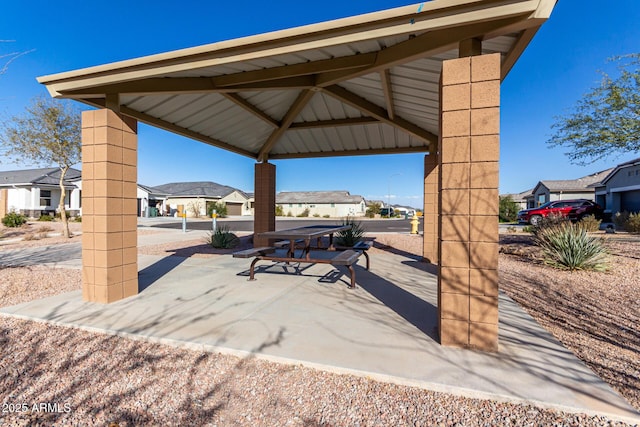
<point x="379" y="113"/>
<point x="334" y="123"/>
<point x="385" y="78"/>
<point x="298" y="105"/>
<point x="240" y="101"/>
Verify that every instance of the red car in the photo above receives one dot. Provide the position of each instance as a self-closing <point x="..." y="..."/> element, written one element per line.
<point x="573" y="209"/>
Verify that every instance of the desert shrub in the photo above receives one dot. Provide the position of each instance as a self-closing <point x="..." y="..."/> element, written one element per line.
<point x="316" y="215"/>
<point x="45" y="218"/>
<point x="30" y="236"/>
<point x="620" y="219"/>
<point x="372" y="210"/>
<point x="568" y="246"/>
<point x="352" y="235"/>
<point x="632" y="225"/>
<point x="44" y="229"/>
<point x="528" y="229"/>
<point x="508" y="209"/>
<point x="590" y="223"/>
<point x="78" y="219"/>
<point x="289" y="213"/>
<point x="14" y="219"/>
<point x="220" y="207"/>
<point x="222" y="238"/>
<point x="279" y="210"/>
<point x="326" y="216"/>
<point x="304" y="213"/>
<point x="512" y="229"/>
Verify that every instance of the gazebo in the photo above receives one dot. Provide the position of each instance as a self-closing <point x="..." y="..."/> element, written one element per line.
<point x="422" y="78"/>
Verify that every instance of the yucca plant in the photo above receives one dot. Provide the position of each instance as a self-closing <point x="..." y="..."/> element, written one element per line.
<point x="352" y="235"/>
<point x="222" y="238"/>
<point x="568" y="246"/>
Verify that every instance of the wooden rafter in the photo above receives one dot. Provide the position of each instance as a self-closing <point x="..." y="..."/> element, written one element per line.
<point x="379" y="113"/>
<point x="295" y="109"/>
<point x="385" y="79"/>
<point x="240" y="101"/>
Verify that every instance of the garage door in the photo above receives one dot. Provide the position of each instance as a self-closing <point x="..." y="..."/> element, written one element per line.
<point x="234" y="208"/>
<point x="630" y="201"/>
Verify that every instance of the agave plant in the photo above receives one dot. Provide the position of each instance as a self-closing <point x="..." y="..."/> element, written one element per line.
<point x="222" y="238"/>
<point x="352" y="235"/>
<point x="568" y="246"/>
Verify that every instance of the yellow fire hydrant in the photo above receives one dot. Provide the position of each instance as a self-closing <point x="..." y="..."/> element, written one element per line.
<point x="414" y="224"/>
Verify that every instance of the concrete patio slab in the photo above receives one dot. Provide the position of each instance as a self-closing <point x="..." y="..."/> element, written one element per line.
<point x="384" y="329"/>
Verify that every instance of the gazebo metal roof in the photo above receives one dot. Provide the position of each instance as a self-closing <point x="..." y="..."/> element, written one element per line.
<point x="368" y="84"/>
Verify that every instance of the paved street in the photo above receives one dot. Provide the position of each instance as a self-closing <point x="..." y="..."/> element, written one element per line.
<point x="246" y="224"/>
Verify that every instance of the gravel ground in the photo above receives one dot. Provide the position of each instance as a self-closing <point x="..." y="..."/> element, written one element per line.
<point x="96" y="379"/>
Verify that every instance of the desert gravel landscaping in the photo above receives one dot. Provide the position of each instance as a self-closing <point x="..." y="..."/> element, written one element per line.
<point x="97" y="379"/>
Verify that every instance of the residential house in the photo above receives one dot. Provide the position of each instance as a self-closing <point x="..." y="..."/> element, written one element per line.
<point x="197" y="197"/>
<point x="524" y="200"/>
<point x="335" y="204"/>
<point x="35" y="192"/>
<point x="150" y="198"/>
<point x="620" y="190"/>
<point x="551" y="190"/>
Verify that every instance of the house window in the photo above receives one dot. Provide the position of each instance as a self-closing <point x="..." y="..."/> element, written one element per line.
<point x="45" y="197"/>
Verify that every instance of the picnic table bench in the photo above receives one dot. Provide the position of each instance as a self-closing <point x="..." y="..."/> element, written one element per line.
<point x="344" y="256"/>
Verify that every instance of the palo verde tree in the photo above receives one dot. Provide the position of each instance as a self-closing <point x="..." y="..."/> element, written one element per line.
<point x="606" y="121"/>
<point x="47" y="134"/>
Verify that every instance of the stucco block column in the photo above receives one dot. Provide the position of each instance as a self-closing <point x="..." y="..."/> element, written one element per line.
<point x="265" y="202"/>
<point x="431" y="209"/>
<point x="109" y="220"/>
<point x="468" y="279"/>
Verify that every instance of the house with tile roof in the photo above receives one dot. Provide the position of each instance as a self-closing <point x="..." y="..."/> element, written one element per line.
<point x="336" y="204"/>
<point x="197" y="197"/>
<point x="551" y="190"/>
<point x="35" y="192"/>
<point x="620" y="190"/>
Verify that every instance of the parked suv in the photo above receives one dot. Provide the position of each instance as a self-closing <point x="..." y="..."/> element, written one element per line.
<point x="573" y="209"/>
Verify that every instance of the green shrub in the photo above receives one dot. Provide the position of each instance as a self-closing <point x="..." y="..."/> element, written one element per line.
<point x="13" y="219"/>
<point x="633" y="223"/>
<point x="222" y="238"/>
<point x="289" y="213"/>
<point x="304" y="213"/>
<point x="221" y="209"/>
<point x="352" y="235"/>
<point x="316" y="215"/>
<point x="45" y="218"/>
<point x="372" y="210"/>
<point x="279" y="210"/>
<point x="590" y="223"/>
<point x="326" y="216"/>
<point x="508" y="209"/>
<point x="78" y="219"/>
<point x="528" y="228"/>
<point x="568" y="246"/>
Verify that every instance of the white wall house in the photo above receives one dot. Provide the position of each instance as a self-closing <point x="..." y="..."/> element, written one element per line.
<point x="35" y="192"/>
<point x="151" y="197"/>
<point x="336" y="204"/>
<point x="199" y="196"/>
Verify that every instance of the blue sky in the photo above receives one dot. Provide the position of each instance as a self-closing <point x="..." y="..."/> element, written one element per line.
<point x="559" y="66"/>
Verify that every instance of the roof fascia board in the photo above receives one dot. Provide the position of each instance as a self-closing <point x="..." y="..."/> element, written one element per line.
<point x="171" y="62"/>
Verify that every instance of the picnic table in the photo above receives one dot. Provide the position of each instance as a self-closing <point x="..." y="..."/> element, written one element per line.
<point x="302" y="238"/>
